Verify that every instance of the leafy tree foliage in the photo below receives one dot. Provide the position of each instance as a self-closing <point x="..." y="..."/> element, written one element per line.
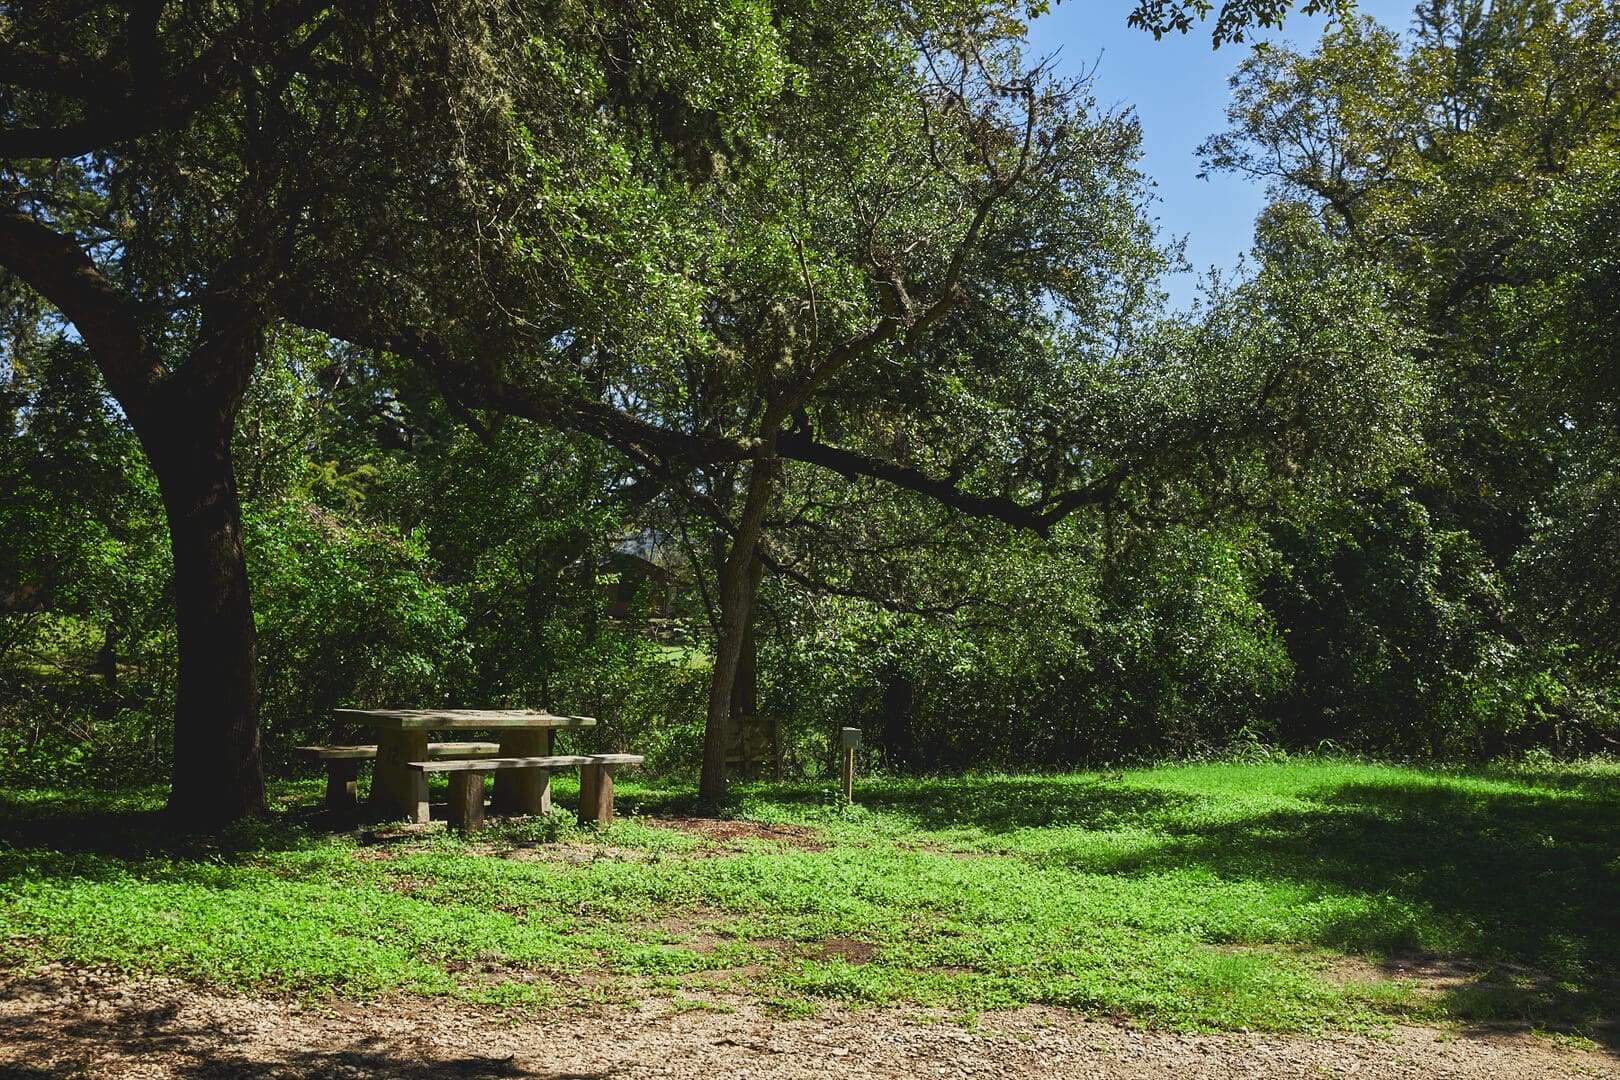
<point x="824" y="280"/>
<point x="84" y="660"/>
<point x="1442" y="163"/>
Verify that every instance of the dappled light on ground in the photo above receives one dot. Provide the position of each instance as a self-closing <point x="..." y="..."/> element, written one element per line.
<point x="1299" y="896"/>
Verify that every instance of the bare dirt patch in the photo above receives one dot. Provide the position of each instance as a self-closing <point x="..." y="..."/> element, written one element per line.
<point x="856" y="952"/>
<point x="683" y="925"/>
<point x="695" y="931"/>
<point x="408" y="884"/>
<point x="725" y="831"/>
<point x="375" y="855"/>
<point x="1431" y="973"/>
<point x="573" y="854"/>
<point x="59" y="1022"/>
<point x="699" y="929"/>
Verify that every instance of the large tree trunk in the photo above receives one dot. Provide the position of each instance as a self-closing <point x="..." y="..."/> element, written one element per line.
<point x="745" y="689"/>
<point x="185" y="423"/>
<point x="899" y="741"/>
<point x="737" y="585"/>
<point x="184" y="415"/>
<point x="218" y="763"/>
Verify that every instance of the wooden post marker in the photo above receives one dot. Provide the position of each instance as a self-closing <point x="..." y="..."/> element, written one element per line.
<point x="848" y="739"/>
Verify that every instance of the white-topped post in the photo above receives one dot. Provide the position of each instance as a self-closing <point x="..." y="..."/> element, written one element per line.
<point x="848" y="740"/>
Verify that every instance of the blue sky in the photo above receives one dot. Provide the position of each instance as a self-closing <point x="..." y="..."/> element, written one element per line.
<point x="1178" y="88"/>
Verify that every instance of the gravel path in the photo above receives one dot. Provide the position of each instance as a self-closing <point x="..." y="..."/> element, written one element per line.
<point x="66" y="1023"/>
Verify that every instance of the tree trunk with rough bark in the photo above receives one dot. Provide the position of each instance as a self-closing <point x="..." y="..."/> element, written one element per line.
<point x="745" y="690"/>
<point x="737" y="584"/>
<point x="183" y="410"/>
<point x="218" y="772"/>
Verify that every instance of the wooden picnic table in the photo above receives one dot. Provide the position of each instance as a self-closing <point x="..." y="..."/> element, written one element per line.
<point x="402" y="736"/>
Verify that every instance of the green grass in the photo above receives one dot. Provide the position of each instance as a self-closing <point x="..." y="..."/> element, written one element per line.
<point x="687" y="656"/>
<point x="1283" y="896"/>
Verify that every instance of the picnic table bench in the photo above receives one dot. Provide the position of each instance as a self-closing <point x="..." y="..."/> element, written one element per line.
<point x="521" y="762"/>
<point x="402" y="737"/>
<point x="343" y="765"/>
<point x="467" y="783"/>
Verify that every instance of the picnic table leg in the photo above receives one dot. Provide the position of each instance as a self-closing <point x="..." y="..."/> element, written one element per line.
<point x="342" y="785"/>
<point x="524" y="791"/>
<point x="395" y="790"/>
<point x="596" y="794"/>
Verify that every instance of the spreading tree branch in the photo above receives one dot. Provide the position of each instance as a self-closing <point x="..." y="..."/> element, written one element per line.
<point x="56" y="267"/>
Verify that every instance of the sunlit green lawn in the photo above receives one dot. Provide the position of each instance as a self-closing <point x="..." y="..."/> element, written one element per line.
<point x="1277" y="896"/>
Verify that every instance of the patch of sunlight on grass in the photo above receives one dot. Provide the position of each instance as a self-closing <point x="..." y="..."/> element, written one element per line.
<point x="1219" y="896"/>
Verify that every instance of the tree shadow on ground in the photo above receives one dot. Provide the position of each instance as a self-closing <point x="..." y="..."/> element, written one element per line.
<point x="156" y="1036"/>
<point x="104" y="834"/>
<point x="1520" y="890"/>
<point x="85" y="829"/>
<point x="1004" y="804"/>
<point x="985" y="804"/>
<point x="1501" y="898"/>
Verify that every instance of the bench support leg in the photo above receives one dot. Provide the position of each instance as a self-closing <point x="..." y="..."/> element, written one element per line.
<point x="342" y="785"/>
<point x="524" y="791"/>
<point x="596" y="794"/>
<point x="542" y="781"/>
<point x="466" y="810"/>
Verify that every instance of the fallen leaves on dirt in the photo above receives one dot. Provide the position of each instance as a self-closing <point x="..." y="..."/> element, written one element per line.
<point x="57" y="1021"/>
<point x="726" y="831"/>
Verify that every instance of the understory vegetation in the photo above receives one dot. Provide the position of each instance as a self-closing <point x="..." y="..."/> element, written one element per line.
<point x="1284" y="896"/>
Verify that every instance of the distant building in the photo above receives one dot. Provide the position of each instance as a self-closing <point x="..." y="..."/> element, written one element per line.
<point x="630" y="583"/>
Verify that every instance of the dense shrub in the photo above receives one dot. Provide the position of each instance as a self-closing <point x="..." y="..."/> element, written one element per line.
<point x="1074" y="660"/>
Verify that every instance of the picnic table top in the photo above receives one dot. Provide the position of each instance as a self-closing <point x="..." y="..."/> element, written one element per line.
<point x="453" y="719"/>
